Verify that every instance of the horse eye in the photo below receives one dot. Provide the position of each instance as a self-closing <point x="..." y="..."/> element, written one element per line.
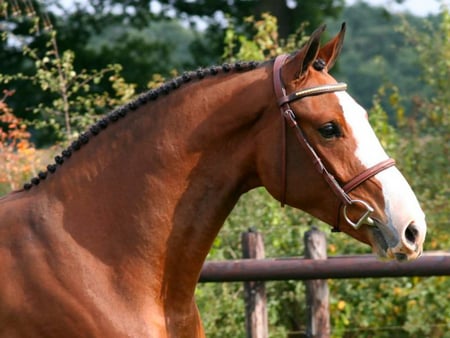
<point x="330" y="130"/>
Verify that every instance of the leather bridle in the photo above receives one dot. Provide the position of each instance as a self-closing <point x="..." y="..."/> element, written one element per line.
<point x="288" y="118"/>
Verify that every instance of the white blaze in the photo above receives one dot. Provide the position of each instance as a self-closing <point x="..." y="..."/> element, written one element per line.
<point x="401" y="205"/>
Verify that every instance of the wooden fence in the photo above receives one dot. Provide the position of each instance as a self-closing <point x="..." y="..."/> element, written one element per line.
<point x="314" y="268"/>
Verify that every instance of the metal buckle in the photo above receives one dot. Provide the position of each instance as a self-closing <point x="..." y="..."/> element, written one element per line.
<point x="288" y="113"/>
<point x="364" y="218"/>
<point x="290" y="117"/>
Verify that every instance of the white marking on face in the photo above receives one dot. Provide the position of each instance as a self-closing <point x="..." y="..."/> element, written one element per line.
<point x="401" y="205"/>
<point x="369" y="150"/>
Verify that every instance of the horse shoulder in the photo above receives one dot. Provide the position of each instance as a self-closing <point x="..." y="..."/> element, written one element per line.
<point x="50" y="286"/>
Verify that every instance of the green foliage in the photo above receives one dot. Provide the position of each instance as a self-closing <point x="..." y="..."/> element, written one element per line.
<point x="159" y="47"/>
<point x="400" y="307"/>
<point x="74" y="106"/>
<point x="74" y="102"/>
<point x="264" y="44"/>
<point x="432" y="45"/>
<point x="291" y="14"/>
<point x="427" y="156"/>
<point x="376" y="52"/>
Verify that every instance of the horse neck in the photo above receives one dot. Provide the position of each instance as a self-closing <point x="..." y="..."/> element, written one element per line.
<point x="156" y="187"/>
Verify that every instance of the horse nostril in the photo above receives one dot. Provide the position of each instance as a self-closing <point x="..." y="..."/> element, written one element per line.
<point x="411" y="234"/>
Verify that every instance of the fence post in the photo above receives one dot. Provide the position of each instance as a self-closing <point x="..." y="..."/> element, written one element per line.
<point x="318" y="317"/>
<point x="256" y="324"/>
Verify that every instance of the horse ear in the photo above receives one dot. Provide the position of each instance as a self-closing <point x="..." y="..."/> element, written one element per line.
<point x="300" y="61"/>
<point x="330" y="52"/>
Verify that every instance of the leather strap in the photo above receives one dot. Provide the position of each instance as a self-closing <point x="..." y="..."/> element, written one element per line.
<point x="281" y="92"/>
<point x="368" y="173"/>
<point x="359" y="179"/>
<point x="330" y="88"/>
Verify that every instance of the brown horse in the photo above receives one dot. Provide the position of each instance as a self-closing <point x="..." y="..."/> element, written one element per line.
<point x="109" y="241"/>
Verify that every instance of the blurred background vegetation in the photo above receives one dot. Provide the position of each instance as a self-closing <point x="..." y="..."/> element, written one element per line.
<point x="62" y="67"/>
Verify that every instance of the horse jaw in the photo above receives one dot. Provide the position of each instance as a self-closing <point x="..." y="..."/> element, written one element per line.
<point x="401" y="233"/>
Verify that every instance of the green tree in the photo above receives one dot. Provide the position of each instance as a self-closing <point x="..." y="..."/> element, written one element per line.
<point x="376" y="52"/>
<point x="428" y="156"/>
<point x="82" y="47"/>
<point x="74" y="102"/>
<point x="290" y="14"/>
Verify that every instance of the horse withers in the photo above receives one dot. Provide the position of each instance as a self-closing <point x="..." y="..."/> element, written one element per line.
<point x="109" y="240"/>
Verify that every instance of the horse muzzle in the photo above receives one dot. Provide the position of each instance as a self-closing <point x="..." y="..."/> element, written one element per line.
<point x="403" y="244"/>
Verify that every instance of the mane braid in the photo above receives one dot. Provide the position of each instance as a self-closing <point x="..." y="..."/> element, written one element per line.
<point x="141" y="100"/>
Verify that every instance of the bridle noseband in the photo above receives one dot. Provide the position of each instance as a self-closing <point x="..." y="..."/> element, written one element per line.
<point x="288" y="117"/>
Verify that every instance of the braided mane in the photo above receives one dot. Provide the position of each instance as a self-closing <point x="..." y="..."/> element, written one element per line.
<point x="142" y="99"/>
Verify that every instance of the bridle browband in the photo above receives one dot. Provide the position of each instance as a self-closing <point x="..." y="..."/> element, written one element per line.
<point x="288" y="117"/>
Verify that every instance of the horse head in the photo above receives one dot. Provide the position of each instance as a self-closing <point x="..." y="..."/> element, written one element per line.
<point x="332" y="164"/>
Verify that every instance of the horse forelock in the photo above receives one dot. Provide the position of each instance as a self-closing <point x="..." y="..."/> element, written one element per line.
<point x="144" y="98"/>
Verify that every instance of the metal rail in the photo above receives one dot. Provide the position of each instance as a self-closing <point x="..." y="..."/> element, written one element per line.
<point x="361" y="266"/>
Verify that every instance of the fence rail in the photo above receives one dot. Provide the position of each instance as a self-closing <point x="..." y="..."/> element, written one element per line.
<point x="254" y="270"/>
<point x="361" y="266"/>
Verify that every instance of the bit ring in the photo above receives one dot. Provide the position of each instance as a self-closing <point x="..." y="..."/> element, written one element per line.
<point x="364" y="219"/>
